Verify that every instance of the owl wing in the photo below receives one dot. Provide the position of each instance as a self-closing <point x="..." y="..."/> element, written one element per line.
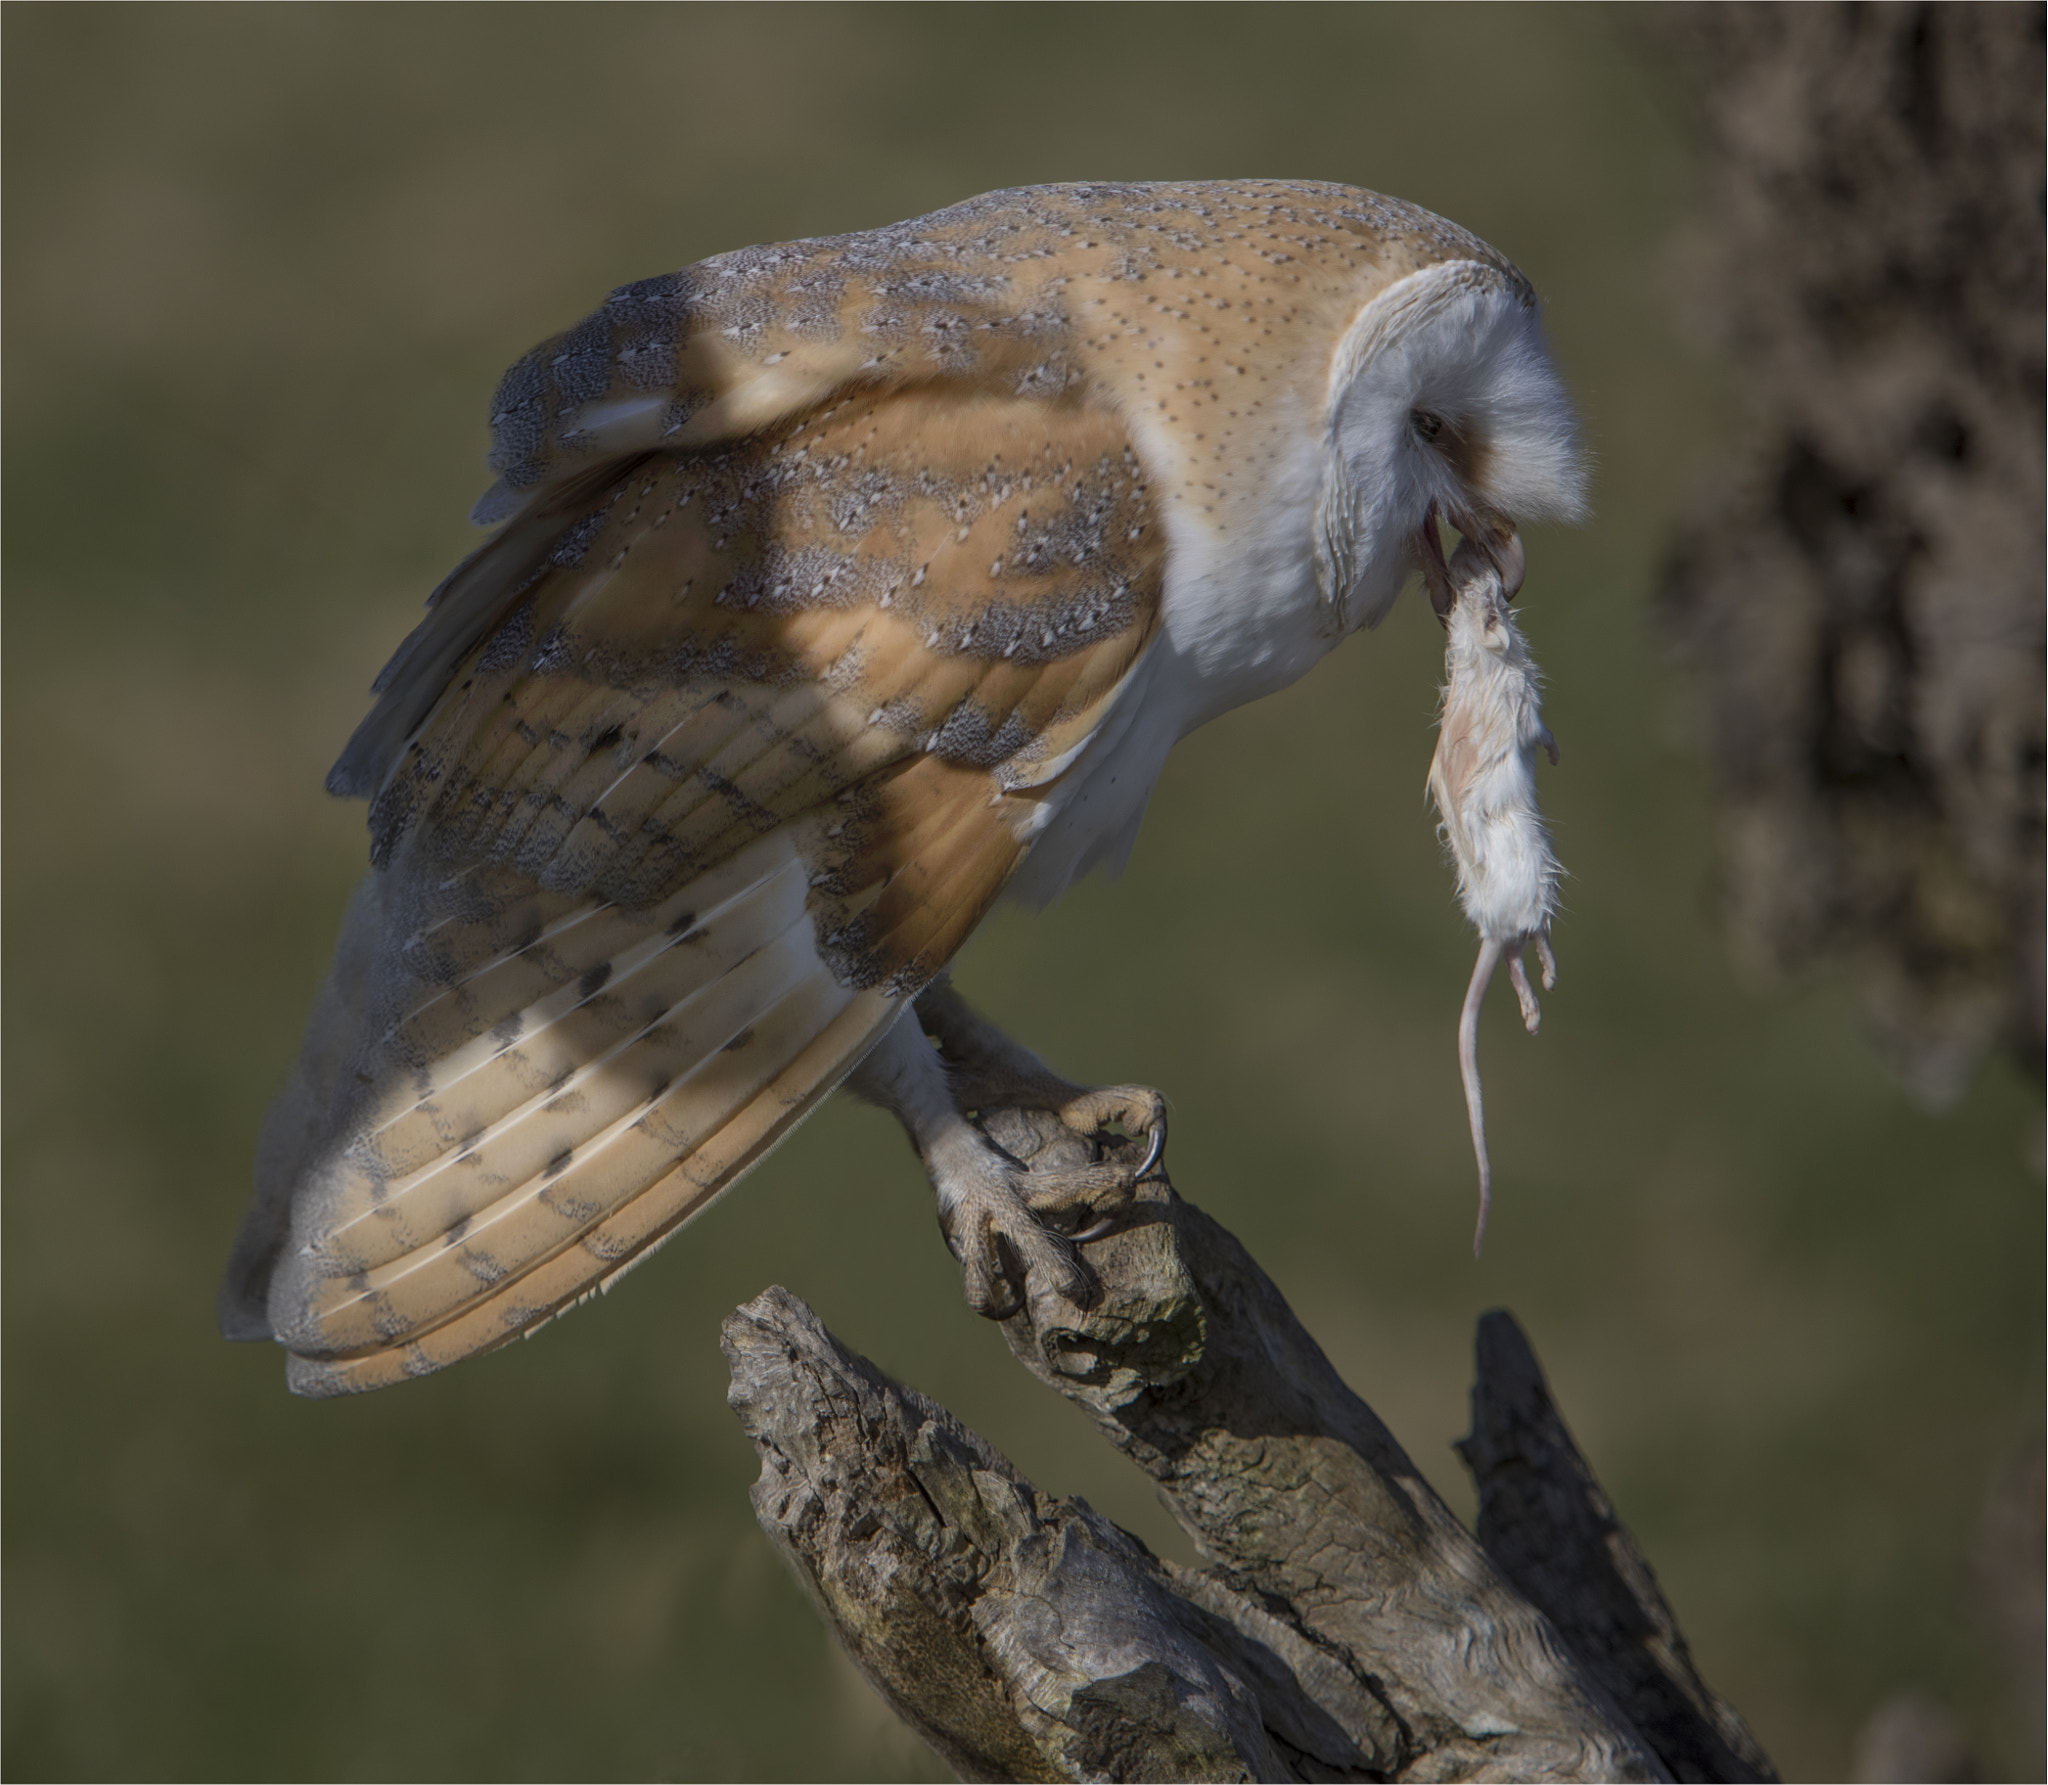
<point x="692" y="773"/>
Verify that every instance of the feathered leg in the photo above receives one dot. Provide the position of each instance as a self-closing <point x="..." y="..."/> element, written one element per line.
<point x="989" y="1070"/>
<point x="994" y="1212"/>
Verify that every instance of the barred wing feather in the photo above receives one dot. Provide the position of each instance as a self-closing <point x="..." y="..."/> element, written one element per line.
<point x="691" y="775"/>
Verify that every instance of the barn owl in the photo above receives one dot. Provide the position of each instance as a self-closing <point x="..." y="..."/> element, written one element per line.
<point x="837" y="589"/>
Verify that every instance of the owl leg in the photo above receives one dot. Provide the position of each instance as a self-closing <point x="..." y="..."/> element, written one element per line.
<point x="992" y="1209"/>
<point x="990" y="1071"/>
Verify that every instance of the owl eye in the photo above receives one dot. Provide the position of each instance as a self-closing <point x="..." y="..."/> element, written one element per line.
<point x="1426" y="425"/>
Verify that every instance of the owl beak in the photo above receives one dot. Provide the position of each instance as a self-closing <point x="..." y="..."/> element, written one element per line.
<point x="1502" y="546"/>
<point x="1436" y="574"/>
<point x="1487" y="536"/>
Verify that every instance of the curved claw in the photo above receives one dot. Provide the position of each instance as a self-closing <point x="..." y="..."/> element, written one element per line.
<point x="1130" y="1106"/>
<point x="1155" y="1152"/>
<point x="994" y="1293"/>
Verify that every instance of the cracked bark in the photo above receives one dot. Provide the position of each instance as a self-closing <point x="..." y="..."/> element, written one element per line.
<point x="1345" y="1626"/>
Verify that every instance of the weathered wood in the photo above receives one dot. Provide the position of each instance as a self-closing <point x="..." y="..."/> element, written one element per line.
<point x="1298" y="1497"/>
<point x="1024" y="1637"/>
<point x="1545" y="1521"/>
<point x="1346" y="1626"/>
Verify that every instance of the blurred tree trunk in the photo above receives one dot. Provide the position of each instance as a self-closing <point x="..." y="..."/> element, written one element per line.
<point x="1858" y="590"/>
<point x="1346" y="1626"/>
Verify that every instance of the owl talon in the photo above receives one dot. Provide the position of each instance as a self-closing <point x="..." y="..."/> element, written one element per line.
<point x="988" y="1071"/>
<point x="991" y="1227"/>
<point x="1007" y="1226"/>
<point x="1136" y="1109"/>
<point x="1107" y="1190"/>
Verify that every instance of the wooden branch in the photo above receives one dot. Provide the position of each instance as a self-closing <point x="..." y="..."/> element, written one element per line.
<point x="1346" y="1626"/>
<point x="1546" y="1523"/>
<point x="1023" y="1637"/>
<point x="1194" y="1366"/>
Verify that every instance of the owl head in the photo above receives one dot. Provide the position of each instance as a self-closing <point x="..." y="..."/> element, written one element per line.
<point x="1444" y="405"/>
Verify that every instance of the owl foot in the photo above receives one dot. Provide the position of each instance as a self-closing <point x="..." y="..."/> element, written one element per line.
<point x="1014" y="1226"/>
<point x="988" y="1071"/>
<point x="1137" y="1110"/>
<point x="1084" y="1201"/>
<point x="991" y="1218"/>
<point x="1021" y="1188"/>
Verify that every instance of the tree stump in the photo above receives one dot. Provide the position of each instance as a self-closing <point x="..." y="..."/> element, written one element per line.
<point x="1856" y="591"/>
<point x="1345" y="1626"/>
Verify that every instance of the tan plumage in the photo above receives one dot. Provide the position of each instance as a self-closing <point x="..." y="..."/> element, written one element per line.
<point x="830" y="576"/>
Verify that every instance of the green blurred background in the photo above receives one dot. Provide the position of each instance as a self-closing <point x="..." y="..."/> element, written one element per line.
<point x="262" y="267"/>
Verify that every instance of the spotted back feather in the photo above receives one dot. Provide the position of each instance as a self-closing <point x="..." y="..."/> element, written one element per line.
<point x="1204" y="310"/>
